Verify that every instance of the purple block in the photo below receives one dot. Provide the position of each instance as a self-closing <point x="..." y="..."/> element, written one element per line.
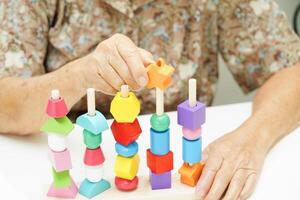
<point x="161" y="181"/>
<point x="191" y="117"/>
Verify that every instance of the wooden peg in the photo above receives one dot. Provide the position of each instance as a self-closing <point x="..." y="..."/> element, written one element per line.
<point x="192" y="92"/>
<point x="55" y="94"/>
<point x="91" y="101"/>
<point x="159" y="102"/>
<point x="124" y="91"/>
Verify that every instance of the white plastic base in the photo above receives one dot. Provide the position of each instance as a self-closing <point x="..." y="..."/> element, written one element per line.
<point x="94" y="173"/>
<point x="56" y="142"/>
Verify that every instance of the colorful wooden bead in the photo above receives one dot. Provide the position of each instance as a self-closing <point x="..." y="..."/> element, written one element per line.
<point x="192" y="150"/>
<point x="160" y="142"/>
<point x="61" y="161"/>
<point x="94" y="124"/>
<point x="161" y="181"/>
<point x="56" y="142"/>
<point x="127" y="168"/>
<point x="91" y="140"/>
<point x="191" y="174"/>
<point x="191" y="134"/>
<point x="160" y="123"/>
<point x="127" y="151"/>
<point x="93" y="157"/>
<point x="61" y="179"/>
<point x="126" y="185"/>
<point x="159" y="164"/>
<point x="126" y="133"/>
<point x="159" y="74"/>
<point x="125" y="110"/>
<point x="94" y="173"/>
<point x="66" y="192"/>
<point x="90" y="190"/>
<point x="191" y="117"/>
<point x="61" y="126"/>
<point x="56" y="108"/>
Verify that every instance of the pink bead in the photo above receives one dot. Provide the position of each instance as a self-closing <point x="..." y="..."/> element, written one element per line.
<point x="93" y="157"/>
<point x="191" y="134"/>
<point x="61" y="161"/>
<point x="56" y="108"/>
<point x="69" y="192"/>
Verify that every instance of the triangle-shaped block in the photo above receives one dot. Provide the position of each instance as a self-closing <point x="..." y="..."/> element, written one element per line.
<point x="68" y="192"/>
<point x="94" y="124"/>
<point x="62" y="126"/>
<point x="90" y="190"/>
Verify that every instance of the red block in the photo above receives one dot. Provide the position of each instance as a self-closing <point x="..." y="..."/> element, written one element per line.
<point x="160" y="164"/>
<point x="93" y="157"/>
<point x="56" y="108"/>
<point x="126" y="185"/>
<point x="126" y="133"/>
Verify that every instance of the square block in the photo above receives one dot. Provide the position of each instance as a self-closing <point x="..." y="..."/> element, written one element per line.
<point x="93" y="157"/>
<point x="161" y="181"/>
<point x="191" y="174"/>
<point x="192" y="150"/>
<point x="61" y="179"/>
<point x="127" y="168"/>
<point x="90" y="190"/>
<point x="61" y="126"/>
<point x="60" y="161"/>
<point x="191" y="117"/>
<point x="159" y="142"/>
<point x="91" y="140"/>
<point x="191" y="134"/>
<point x="56" y="108"/>
<point x="94" y="124"/>
<point x="67" y="192"/>
<point x="160" y="164"/>
<point x="126" y="133"/>
<point x="94" y="174"/>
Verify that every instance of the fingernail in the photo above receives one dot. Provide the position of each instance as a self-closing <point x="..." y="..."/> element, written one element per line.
<point x="142" y="81"/>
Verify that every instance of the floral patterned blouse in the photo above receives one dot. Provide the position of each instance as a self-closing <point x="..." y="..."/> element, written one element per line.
<point x="253" y="36"/>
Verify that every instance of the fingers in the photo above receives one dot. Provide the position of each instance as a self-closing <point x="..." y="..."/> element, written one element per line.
<point x="213" y="164"/>
<point x="248" y="187"/>
<point x="221" y="181"/>
<point x="131" y="55"/>
<point x="236" y="185"/>
<point x="146" y="57"/>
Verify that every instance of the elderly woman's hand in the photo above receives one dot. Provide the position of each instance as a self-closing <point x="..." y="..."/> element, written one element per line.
<point x="233" y="163"/>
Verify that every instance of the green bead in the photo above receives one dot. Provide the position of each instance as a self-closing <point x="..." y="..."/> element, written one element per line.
<point x="91" y="140"/>
<point x="61" y="126"/>
<point x="61" y="179"/>
<point x="160" y="123"/>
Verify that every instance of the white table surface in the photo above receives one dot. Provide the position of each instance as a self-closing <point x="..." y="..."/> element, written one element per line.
<point x="25" y="169"/>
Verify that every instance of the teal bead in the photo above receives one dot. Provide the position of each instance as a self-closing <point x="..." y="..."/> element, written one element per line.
<point x="160" y="123"/>
<point x="91" y="140"/>
<point x="95" y="124"/>
<point x="90" y="190"/>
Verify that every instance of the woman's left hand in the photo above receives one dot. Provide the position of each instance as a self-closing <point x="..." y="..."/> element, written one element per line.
<point x="233" y="163"/>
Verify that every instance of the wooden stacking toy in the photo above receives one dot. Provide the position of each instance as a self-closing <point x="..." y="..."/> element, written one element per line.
<point x="93" y="124"/>
<point x="191" y="116"/>
<point x="126" y="129"/>
<point x="159" y="156"/>
<point x="58" y="126"/>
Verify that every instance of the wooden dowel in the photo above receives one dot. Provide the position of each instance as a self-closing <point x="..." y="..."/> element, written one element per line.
<point x="124" y="91"/>
<point x="91" y="101"/>
<point x="159" y="101"/>
<point x="55" y="94"/>
<point x="192" y="92"/>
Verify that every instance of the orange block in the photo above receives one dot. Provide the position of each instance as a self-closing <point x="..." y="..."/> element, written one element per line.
<point x="190" y="174"/>
<point x="160" y="74"/>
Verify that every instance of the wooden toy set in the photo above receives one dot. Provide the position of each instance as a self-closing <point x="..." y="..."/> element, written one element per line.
<point x="125" y="107"/>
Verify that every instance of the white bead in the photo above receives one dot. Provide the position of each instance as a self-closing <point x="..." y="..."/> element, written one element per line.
<point x="56" y="142"/>
<point x="94" y="173"/>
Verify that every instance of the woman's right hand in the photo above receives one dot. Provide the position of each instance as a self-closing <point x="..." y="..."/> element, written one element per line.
<point x="114" y="62"/>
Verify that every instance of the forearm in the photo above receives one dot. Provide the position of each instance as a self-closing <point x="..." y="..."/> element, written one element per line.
<point x="276" y="107"/>
<point x="23" y="101"/>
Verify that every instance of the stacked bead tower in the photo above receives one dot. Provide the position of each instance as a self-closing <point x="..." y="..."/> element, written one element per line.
<point x="126" y="129"/>
<point x="191" y="116"/>
<point x="93" y="124"/>
<point x="58" y="126"/>
<point x="159" y="156"/>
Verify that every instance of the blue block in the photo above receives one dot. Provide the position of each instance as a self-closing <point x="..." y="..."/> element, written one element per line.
<point x="94" y="124"/>
<point x="89" y="189"/>
<point x="127" y="151"/>
<point x="159" y="142"/>
<point x="192" y="150"/>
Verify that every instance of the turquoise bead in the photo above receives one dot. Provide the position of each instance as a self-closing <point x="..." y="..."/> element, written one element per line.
<point x="160" y="123"/>
<point x="127" y="151"/>
<point x="192" y="150"/>
<point x="94" y="124"/>
<point x="90" y="190"/>
<point x="91" y="140"/>
<point x="159" y="142"/>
